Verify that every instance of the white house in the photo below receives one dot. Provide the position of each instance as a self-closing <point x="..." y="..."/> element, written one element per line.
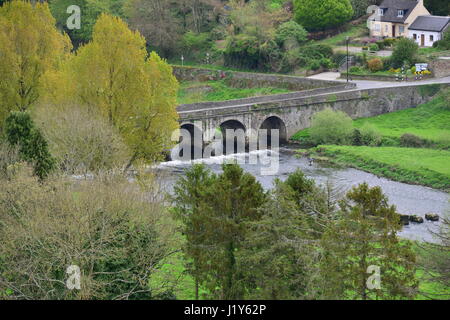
<point x="426" y="30"/>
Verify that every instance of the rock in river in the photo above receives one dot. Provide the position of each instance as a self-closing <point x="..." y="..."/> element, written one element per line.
<point x="432" y="217"/>
<point x="416" y="219"/>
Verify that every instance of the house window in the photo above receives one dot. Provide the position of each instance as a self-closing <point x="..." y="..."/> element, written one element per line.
<point x="387" y="28"/>
<point x="431" y="38"/>
<point x="400" y="13"/>
<point x="381" y="12"/>
<point x="401" y="29"/>
<point x="415" y="36"/>
<point x="377" y="27"/>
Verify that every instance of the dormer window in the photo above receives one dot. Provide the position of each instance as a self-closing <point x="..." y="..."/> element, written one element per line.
<point x="381" y="12"/>
<point x="400" y="13"/>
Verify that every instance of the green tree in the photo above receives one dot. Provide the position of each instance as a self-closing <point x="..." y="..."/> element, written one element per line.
<point x="232" y="201"/>
<point x="189" y="194"/>
<point x="405" y="52"/>
<point x="33" y="148"/>
<point x="30" y="46"/>
<point x="114" y="76"/>
<point x="90" y="11"/>
<point x="320" y="15"/>
<point x="365" y="235"/>
<point x="280" y="254"/>
<point x="331" y="127"/>
<point x="291" y="31"/>
<point x="438" y="7"/>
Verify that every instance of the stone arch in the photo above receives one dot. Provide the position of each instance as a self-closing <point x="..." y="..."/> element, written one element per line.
<point x="234" y="141"/>
<point x="274" y="123"/>
<point x="196" y="140"/>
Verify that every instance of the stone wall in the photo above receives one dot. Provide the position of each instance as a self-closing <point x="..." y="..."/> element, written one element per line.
<point x="441" y="67"/>
<point x="250" y="80"/>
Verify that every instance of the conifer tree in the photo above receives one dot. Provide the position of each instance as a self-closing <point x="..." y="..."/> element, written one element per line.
<point x="363" y="239"/>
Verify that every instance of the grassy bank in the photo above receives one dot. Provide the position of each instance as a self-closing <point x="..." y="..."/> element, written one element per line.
<point x="193" y="92"/>
<point x="411" y="165"/>
<point x="429" y="121"/>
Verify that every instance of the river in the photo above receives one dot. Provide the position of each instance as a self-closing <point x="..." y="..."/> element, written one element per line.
<point x="409" y="199"/>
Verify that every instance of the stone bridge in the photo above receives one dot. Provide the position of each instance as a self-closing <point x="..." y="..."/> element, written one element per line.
<point x="293" y="111"/>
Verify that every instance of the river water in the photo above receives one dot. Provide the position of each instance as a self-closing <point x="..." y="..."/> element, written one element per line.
<point x="409" y="199"/>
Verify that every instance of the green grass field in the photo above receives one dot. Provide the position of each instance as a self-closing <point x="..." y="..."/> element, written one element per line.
<point x="412" y="165"/>
<point x="430" y="121"/>
<point x="193" y="92"/>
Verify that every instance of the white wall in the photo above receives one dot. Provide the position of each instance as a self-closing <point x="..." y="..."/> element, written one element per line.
<point x="428" y="42"/>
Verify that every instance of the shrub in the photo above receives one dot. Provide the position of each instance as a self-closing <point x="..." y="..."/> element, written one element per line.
<point x="375" y="65"/>
<point x="33" y="148"/>
<point x="405" y="52"/>
<point x="249" y="52"/>
<point x="374" y="47"/>
<point x="321" y="15"/>
<point x="115" y="231"/>
<point x="380" y="44"/>
<point x="355" y="69"/>
<point x="331" y="127"/>
<point x="444" y="44"/>
<point x="412" y="141"/>
<point x="317" y="51"/>
<point x="326" y="63"/>
<point x="81" y="141"/>
<point x="291" y="30"/>
<point x="389" y="42"/>
<point x="314" y="65"/>
<point x="370" y="135"/>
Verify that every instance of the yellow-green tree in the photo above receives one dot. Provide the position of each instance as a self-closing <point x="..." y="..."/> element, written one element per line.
<point x="30" y="45"/>
<point x="136" y="93"/>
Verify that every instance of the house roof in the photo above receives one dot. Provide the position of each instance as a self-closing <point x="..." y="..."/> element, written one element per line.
<point x="430" y="23"/>
<point x="391" y="8"/>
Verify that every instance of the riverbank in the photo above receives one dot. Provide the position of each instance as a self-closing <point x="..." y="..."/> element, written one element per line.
<point x="426" y="167"/>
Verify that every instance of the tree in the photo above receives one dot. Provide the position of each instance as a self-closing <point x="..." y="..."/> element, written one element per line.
<point x="232" y="201"/>
<point x="30" y="46"/>
<point x="438" y="7"/>
<point x="320" y="15"/>
<point x="360" y="6"/>
<point x="33" y="148"/>
<point x="332" y="127"/>
<point x="362" y="241"/>
<point x="157" y="23"/>
<point x="435" y="261"/>
<point x="280" y="254"/>
<point x="405" y="52"/>
<point x="136" y="94"/>
<point x="114" y="231"/>
<point x="291" y="31"/>
<point x="189" y="193"/>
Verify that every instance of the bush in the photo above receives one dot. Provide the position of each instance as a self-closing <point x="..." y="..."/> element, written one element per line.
<point x="444" y="43"/>
<point x="317" y="51"/>
<point x="380" y="45"/>
<point x="248" y="52"/>
<point x="290" y="30"/>
<point x="370" y="135"/>
<point x="405" y="52"/>
<point x="331" y="127"/>
<point x="375" y="65"/>
<point x="412" y="141"/>
<point x="81" y="141"/>
<point x="355" y="69"/>
<point x="314" y="65"/>
<point x="374" y="47"/>
<point x="33" y="148"/>
<point x="321" y="15"/>
<point x="116" y="232"/>
<point x="389" y="42"/>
